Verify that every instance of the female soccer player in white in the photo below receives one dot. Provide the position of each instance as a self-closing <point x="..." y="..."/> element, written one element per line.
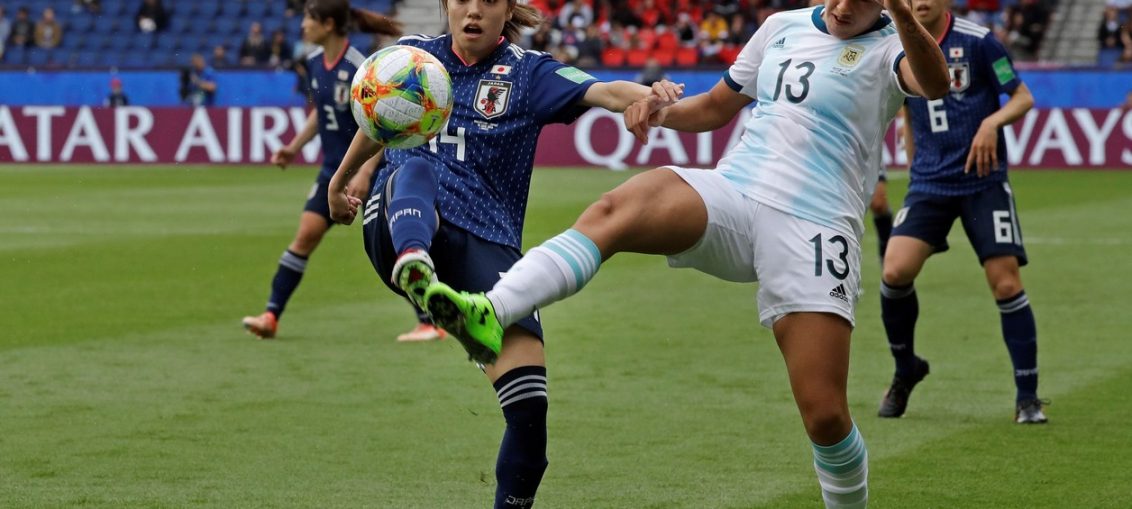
<point x="784" y="207"/>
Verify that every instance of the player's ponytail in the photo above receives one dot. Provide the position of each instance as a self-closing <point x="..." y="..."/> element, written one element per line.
<point x="374" y="23"/>
<point x="348" y="18"/>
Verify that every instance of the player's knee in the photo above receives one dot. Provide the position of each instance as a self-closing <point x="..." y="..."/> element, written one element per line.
<point x="895" y="274"/>
<point x="1006" y="287"/>
<point x="826" y="424"/>
<point x="604" y="210"/>
<point x="417" y="170"/>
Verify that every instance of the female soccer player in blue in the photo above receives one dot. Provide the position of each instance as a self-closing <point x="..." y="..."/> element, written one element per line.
<point x="958" y="171"/>
<point x="455" y="206"/>
<point x="332" y="68"/>
<point x="784" y="207"/>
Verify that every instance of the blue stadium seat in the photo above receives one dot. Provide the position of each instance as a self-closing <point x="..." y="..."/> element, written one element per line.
<point x="15" y="55"/>
<point x="257" y="10"/>
<point x="85" y="58"/>
<point x="118" y="44"/>
<point x="38" y="57"/>
<point x="227" y="26"/>
<point x="81" y="23"/>
<point x="72" y="41"/>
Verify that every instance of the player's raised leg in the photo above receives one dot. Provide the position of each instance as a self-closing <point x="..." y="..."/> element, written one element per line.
<point x="815" y="347"/>
<point x="900" y="309"/>
<point x="411" y="213"/>
<point x="655" y="212"/>
<point x="292" y="265"/>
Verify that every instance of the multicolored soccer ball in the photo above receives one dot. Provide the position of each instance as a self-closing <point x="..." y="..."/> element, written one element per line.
<point x="401" y="96"/>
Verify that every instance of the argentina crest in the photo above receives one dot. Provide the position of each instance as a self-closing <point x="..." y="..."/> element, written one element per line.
<point x="492" y="98"/>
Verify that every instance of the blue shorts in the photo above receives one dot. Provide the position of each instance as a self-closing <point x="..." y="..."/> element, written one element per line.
<point x="317" y="199"/>
<point x="989" y="218"/>
<point x="462" y="260"/>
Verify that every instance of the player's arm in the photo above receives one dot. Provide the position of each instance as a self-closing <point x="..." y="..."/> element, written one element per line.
<point x="700" y="113"/>
<point x="285" y="155"/>
<point x="617" y="96"/>
<point x="923" y="71"/>
<point x="359" y="185"/>
<point x="343" y="207"/>
<point x="984" y="147"/>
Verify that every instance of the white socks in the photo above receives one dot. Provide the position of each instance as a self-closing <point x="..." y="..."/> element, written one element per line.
<point x="843" y="472"/>
<point x="548" y="273"/>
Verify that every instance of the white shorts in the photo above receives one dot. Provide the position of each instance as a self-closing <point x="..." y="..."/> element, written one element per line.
<point x="800" y="265"/>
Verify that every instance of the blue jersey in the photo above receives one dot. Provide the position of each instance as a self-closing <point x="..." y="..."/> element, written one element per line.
<point x="485" y="153"/>
<point x="942" y="129"/>
<point x="330" y="90"/>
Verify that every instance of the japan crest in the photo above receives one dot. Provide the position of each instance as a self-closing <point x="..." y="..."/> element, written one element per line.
<point x="492" y="98"/>
<point x="960" y="77"/>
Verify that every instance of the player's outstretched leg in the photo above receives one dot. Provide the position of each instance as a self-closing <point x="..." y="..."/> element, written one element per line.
<point x="412" y="218"/>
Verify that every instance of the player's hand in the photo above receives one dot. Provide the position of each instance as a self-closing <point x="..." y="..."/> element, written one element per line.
<point x="984" y="151"/>
<point x="358" y="187"/>
<point x="283" y="157"/>
<point x="668" y="92"/>
<point x="896" y="5"/>
<point x="343" y="207"/>
<point x="642" y="115"/>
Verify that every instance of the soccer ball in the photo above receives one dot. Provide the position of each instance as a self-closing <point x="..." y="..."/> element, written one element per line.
<point x="401" y="96"/>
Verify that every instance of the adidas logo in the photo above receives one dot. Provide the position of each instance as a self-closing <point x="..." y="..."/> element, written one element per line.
<point x="839" y="293"/>
<point x="779" y="44"/>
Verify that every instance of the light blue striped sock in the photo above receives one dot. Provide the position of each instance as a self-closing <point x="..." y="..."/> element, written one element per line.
<point x="548" y="273"/>
<point x="843" y="472"/>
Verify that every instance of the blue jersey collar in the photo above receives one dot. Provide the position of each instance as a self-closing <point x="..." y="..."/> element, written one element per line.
<point x="820" y="23"/>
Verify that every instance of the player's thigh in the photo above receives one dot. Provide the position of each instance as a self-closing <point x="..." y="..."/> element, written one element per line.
<point x="725" y="247"/>
<point x="655" y="212"/>
<point x="803" y="266"/>
<point x="928" y="218"/>
<point x="990" y="220"/>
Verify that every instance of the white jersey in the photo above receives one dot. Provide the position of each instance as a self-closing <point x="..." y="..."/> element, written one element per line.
<point x="812" y="147"/>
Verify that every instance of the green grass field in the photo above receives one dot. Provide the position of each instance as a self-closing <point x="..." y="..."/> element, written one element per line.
<point x="126" y="380"/>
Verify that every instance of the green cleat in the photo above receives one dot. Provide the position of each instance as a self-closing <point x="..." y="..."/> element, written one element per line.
<point x="469" y="317"/>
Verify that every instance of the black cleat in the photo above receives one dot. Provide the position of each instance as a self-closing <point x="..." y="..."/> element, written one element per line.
<point x="895" y="400"/>
<point x="1030" y="412"/>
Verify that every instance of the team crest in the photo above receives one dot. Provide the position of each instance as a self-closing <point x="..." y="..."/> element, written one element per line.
<point x="342" y="94"/>
<point x="492" y="98"/>
<point x="960" y="77"/>
<point x="851" y="55"/>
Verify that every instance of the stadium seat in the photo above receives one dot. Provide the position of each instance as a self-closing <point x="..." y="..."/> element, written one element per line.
<point x="613" y="57"/>
<point x="687" y="57"/>
<point x="85" y="58"/>
<point x="15" y="55"/>
<point x="637" y="57"/>
<point x="729" y="53"/>
<point x="664" y="58"/>
<point x="667" y="42"/>
<point x="38" y="57"/>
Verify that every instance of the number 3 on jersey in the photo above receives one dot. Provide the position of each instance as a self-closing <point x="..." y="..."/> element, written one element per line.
<point x="445" y="137"/>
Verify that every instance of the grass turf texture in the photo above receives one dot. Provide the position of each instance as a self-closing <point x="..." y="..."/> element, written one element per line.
<point x="126" y="380"/>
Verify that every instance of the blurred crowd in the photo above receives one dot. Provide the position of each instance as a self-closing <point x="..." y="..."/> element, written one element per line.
<point x="1115" y="34"/>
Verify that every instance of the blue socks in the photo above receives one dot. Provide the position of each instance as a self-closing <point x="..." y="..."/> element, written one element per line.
<point x="522" y="455"/>
<point x="411" y="211"/>
<point x="287" y="277"/>
<point x="899" y="310"/>
<point x="883" y="224"/>
<point x="1021" y="335"/>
